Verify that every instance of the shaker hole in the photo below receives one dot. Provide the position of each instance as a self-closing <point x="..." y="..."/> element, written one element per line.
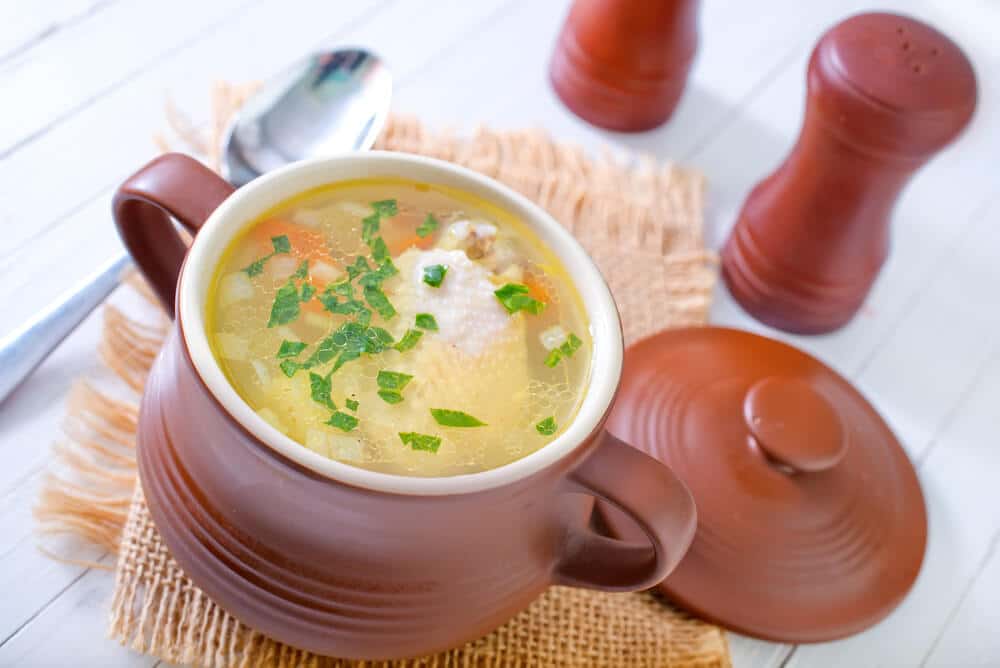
<point x="934" y="52"/>
<point x="899" y="30"/>
<point x="906" y="46"/>
<point x="918" y="68"/>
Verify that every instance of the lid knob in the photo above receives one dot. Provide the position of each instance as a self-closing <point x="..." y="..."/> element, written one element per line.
<point x="794" y="424"/>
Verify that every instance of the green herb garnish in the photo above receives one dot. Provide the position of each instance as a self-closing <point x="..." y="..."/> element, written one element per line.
<point x="256" y="267"/>
<point x="319" y="387"/>
<point x="289" y="367"/>
<point x="450" y="418"/>
<point x="280" y="244"/>
<point x="370" y="227"/>
<point x="420" y="441"/>
<point x="547" y="427"/>
<point x="286" y="305"/>
<point x="393" y="380"/>
<point x="570" y="345"/>
<point x="378" y="301"/>
<point x="375" y="277"/>
<point x="380" y="251"/>
<point x="427" y="321"/>
<point x="359" y="267"/>
<point x="391" y="384"/>
<point x="343" y="421"/>
<point x="410" y="339"/>
<point x="351" y="404"/>
<point x="428" y="226"/>
<point x="302" y="271"/>
<point x="290" y="348"/>
<point x="514" y="297"/>
<point x="307" y="292"/>
<point x="385" y="208"/>
<point x="565" y="349"/>
<point x="434" y="274"/>
<point x="390" y="396"/>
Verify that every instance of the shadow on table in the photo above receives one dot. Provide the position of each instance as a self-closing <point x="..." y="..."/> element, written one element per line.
<point x="733" y="149"/>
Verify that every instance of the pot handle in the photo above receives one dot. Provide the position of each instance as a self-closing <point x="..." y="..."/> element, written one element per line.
<point x="172" y="185"/>
<point x="652" y="496"/>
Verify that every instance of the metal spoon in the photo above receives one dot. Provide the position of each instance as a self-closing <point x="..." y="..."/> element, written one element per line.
<point x="328" y="103"/>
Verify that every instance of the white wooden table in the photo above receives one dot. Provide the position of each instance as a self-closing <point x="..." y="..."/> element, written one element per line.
<point x="82" y="86"/>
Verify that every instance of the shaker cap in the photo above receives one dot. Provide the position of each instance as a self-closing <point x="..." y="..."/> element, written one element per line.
<point x="897" y="75"/>
<point x="811" y="521"/>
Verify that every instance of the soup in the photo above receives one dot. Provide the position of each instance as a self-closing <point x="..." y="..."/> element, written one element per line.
<point x="401" y="327"/>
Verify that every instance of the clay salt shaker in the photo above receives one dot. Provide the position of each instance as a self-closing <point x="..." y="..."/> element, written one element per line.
<point x="622" y="64"/>
<point x="885" y="93"/>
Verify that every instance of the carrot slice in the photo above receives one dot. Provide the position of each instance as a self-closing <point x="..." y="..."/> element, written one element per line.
<point x="536" y="289"/>
<point x="423" y="243"/>
<point x="307" y="244"/>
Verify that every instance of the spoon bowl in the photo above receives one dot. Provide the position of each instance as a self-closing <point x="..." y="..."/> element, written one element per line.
<point x="327" y="103"/>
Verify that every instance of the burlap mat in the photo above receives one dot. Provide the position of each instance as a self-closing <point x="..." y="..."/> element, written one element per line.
<point x="640" y="222"/>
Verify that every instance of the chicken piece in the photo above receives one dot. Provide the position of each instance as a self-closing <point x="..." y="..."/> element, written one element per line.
<point x="475" y="238"/>
<point x="476" y="362"/>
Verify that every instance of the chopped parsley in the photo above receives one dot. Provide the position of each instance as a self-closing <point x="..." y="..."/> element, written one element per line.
<point x="428" y="226"/>
<point x="290" y="348"/>
<point x="434" y="274"/>
<point x="351" y="404"/>
<point x="370" y="227"/>
<point x="565" y="349"/>
<point x="286" y="305"/>
<point x="570" y="345"/>
<point x="378" y="301"/>
<point x="319" y="387"/>
<point x="450" y="418"/>
<point x="390" y="396"/>
<point x="359" y="267"/>
<point x="409" y="340"/>
<point x="514" y="297"/>
<point x="393" y="380"/>
<point x="385" y="208"/>
<point x="281" y="246"/>
<point x="427" y="321"/>
<point x="391" y="384"/>
<point x="380" y="251"/>
<point x="343" y="421"/>
<point x="302" y="271"/>
<point x="420" y="441"/>
<point x="547" y="427"/>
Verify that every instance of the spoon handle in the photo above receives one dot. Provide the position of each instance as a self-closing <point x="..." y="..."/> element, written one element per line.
<point x="23" y="350"/>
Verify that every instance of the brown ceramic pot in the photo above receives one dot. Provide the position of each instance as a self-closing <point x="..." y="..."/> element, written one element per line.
<point x="622" y="64"/>
<point x="886" y="92"/>
<point x="344" y="561"/>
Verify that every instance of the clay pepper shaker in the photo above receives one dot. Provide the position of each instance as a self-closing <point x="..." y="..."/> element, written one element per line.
<point x="885" y="93"/>
<point x="622" y="64"/>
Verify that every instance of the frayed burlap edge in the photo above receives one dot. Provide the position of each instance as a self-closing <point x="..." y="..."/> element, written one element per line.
<point x="642" y="225"/>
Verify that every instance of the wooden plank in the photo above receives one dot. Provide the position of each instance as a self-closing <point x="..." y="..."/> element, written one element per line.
<point x="972" y="637"/>
<point x="72" y="631"/>
<point x="89" y="59"/>
<point x="24" y="26"/>
<point x="101" y="143"/>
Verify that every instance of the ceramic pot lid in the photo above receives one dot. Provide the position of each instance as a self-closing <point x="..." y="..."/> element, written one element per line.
<point x="811" y="522"/>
